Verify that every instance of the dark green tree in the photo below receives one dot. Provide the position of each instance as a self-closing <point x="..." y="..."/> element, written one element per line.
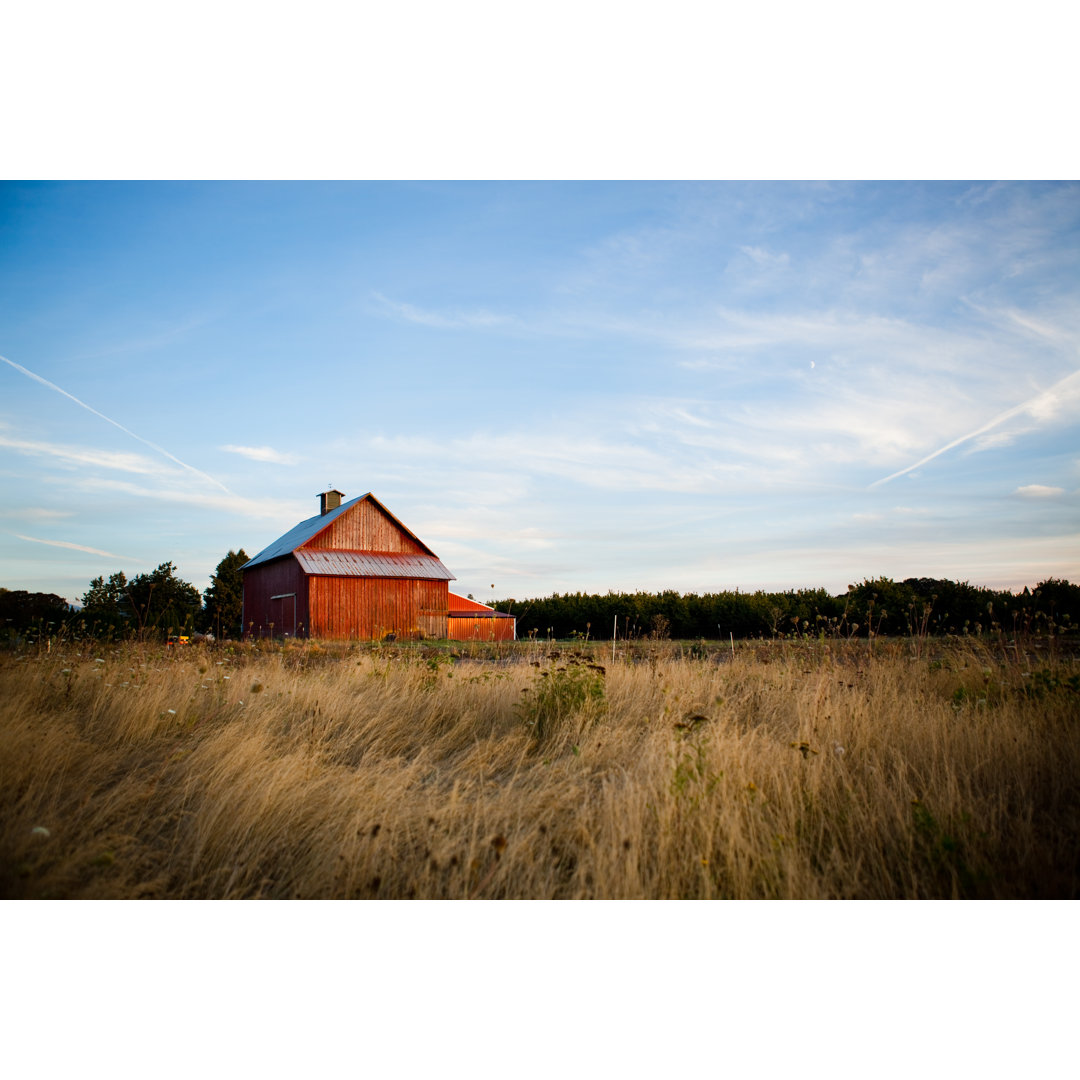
<point x="106" y="598"/>
<point x="162" y="601"/>
<point x="882" y="605"/>
<point x="225" y="597"/>
<point x="20" y="610"/>
<point x="1059" y="601"/>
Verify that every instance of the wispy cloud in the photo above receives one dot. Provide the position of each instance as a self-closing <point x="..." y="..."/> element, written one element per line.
<point x="489" y="530"/>
<point x="762" y="257"/>
<point x="261" y="453"/>
<point x="256" y="509"/>
<point x="1038" y="491"/>
<point x="170" y="485"/>
<point x="727" y="329"/>
<point x="444" y="320"/>
<point x="83" y="456"/>
<point x="893" y="513"/>
<point x="981" y="193"/>
<point x="166" y="336"/>
<point x="681" y="415"/>
<point x="69" y="546"/>
<point x="608" y="462"/>
<point x="36" y="513"/>
<point x="82" y="404"/>
<point x="1042" y="407"/>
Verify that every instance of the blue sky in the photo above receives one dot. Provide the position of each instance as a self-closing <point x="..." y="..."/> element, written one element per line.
<point x="557" y="386"/>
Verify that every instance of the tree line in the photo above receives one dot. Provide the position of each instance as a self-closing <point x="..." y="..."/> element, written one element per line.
<point x="155" y="604"/>
<point x="879" y="605"/>
<point x="160" y="602"/>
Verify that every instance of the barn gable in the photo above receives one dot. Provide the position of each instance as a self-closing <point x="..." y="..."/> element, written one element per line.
<point x="367" y="526"/>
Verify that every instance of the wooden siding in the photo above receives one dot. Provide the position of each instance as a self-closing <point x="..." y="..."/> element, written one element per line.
<point x="470" y="628"/>
<point x="366" y="528"/>
<point x="277" y="578"/>
<point x="432" y="624"/>
<point x="367" y="609"/>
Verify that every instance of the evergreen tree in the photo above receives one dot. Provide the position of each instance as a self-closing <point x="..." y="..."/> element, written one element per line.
<point x="161" y="600"/>
<point x="106" y="597"/>
<point x="225" y="597"/>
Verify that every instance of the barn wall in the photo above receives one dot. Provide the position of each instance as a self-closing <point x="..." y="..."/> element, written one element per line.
<point x="367" y="609"/>
<point x="366" y="528"/>
<point x="466" y="628"/>
<point x="274" y="579"/>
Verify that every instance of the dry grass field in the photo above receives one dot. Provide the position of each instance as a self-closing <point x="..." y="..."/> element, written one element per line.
<point x="789" y="770"/>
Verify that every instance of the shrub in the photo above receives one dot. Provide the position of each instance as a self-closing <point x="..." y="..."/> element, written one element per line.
<point x="571" y="692"/>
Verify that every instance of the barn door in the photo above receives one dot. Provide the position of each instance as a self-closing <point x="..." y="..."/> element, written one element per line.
<point x="283" y="614"/>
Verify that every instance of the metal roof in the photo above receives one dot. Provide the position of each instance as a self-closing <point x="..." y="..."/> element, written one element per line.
<point x="299" y="534"/>
<point x="364" y="564"/>
<point x="462" y="607"/>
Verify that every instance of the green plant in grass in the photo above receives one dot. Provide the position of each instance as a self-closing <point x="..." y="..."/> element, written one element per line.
<point x="570" y="693"/>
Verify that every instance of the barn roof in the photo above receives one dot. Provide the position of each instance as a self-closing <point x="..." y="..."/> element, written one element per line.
<point x="309" y="529"/>
<point x="462" y="607"/>
<point x="364" y="564"/>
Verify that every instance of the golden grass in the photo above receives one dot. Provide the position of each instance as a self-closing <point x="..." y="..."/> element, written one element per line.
<point x="790" y="771"/>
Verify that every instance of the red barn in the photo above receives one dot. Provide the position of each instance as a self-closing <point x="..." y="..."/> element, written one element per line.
<point x="352" y="571"/>
<point x="471" y="621"/>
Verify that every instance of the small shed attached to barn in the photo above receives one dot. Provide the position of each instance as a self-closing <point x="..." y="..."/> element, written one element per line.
<point x="472" y="621"/>
<point x="353" y="571"/>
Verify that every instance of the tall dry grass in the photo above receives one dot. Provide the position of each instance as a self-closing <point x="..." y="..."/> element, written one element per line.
<point x="788" y="771"/>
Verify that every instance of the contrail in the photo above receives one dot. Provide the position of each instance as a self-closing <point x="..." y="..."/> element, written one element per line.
<point x="1016" y="410"/>
<point x="108" y="420"/>
<point x="66" y="544"/>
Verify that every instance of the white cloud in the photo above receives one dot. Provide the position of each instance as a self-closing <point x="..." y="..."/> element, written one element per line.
<point x="981" y="193"/>
<point x="37" y="513"/>
<point x="78" y="455"/>
<point x="715" y="364"/>
<point x="451" y="530"/>
<point x="1040" y="328"/>
<point x="257" y="509"/>
<point x="848" y="332"/>
<point x="1038" y="491"/>
<point x="894" y="512"/>
<point x="168" y="335"/>
<point x="70" y="546"/>
<point x="765" y="258"/>
<point x="994" y="440"/>
<point x="261" y="453"/>
<point x="680" y="415"/>
<point x="615" y="463"/>
<point x="445" y="320"/>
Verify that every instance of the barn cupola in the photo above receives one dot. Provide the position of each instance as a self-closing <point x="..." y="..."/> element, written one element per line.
<point x="330" y="500"/>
